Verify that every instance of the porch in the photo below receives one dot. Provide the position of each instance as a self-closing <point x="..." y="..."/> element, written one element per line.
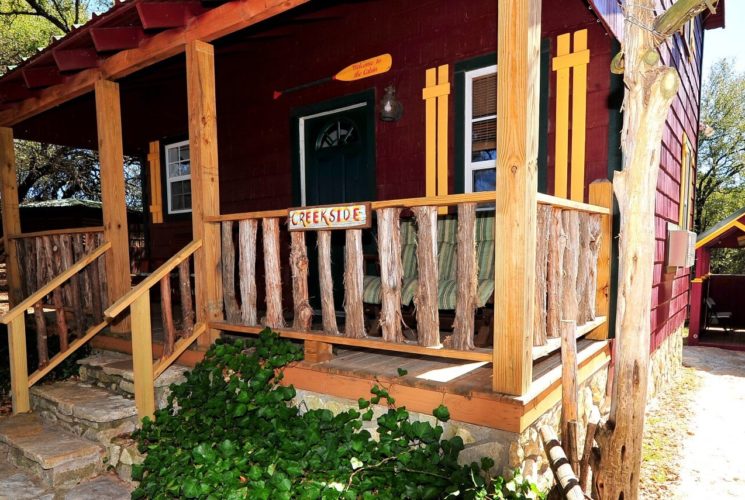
<point x="496" y="299"/>
<point x="717" y="317"/>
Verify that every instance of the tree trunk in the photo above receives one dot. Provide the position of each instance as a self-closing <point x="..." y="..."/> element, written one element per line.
<point x="650" y="89"/>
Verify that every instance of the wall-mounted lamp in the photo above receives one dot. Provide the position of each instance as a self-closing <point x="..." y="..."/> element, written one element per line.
<point x="391" y="108"/>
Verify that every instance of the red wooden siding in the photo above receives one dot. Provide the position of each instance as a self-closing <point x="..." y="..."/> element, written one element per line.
<point x="670" y="290"/>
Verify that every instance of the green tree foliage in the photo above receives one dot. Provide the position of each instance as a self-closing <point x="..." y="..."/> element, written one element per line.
<point x="230" y="431"/>
<point x="47" y="171"/>
<point x="720" y="175"/>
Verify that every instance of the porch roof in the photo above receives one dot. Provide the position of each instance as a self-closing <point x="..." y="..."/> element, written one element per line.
<point x="132" y="35"/>
<point x="727" y="233"/>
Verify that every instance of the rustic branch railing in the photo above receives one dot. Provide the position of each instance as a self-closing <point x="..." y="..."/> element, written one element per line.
<point x="572" y="263"/>
<point x="556" y="297"/>
<point x="45" y="254"/>
<point x="138" y="300"/>
<point x="21" y="381"/>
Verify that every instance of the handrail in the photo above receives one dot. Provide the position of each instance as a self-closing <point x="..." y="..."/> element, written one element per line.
<point x="127" y="299"/>
<point x="440" y="201"/>
<point x="60" y="357"/>
<point x="35" y="297"/>
<point x="547" y="199"/>
<point x="53" y="232"/>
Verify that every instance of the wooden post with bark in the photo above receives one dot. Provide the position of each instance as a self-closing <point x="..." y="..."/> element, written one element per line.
<point x="232" y="312"/>
<point x="541" y="274"/>
<point x="247" y="230"/>
<point x="303" y="317"/>
<point x="427" y="312"/>
<point x="650" y="89"/>
<point x="354" y="326"/>
<point x="328" y="309"/>
<point x="391" y="273"/>
<point x="467" y="276"/>
<point x="272" y="274"/>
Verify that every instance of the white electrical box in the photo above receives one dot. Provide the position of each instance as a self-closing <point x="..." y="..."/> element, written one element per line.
<point x="681" y="248"/>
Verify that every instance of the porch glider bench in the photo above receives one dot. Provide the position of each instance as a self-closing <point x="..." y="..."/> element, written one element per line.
<point x="447" y="249"/>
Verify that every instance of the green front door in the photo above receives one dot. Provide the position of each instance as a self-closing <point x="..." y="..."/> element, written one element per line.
<point x="338" y="166"/>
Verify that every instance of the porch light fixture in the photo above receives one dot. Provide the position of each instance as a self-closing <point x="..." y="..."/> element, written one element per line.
<point x="391" y="108"/>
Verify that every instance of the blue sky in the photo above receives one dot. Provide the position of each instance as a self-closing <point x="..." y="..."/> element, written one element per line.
<point x="728" y="42"/>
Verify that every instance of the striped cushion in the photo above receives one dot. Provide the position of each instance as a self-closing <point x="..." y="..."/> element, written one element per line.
<point x="447" y="292"/>
<point x="447" y="262"/>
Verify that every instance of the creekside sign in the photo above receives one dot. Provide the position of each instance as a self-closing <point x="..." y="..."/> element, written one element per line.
<point x="349" y="216"/>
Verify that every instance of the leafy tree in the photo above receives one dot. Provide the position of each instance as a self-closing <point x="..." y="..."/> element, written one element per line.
<point x="47" y="171"/>
<point x="720" y="179"/>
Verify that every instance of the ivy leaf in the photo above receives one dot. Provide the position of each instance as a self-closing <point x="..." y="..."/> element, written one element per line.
<point x="254" y="473"/>
<point x="240" y="410"/>
<point x="227" y="448"/>
<point x="356" y="463"/>
<point x="368" y="415"/>
<point x="191" y="488"/>
<point x="402" y="372"/>
<point x="441" y="413"/>
<point x="363" y="403"/>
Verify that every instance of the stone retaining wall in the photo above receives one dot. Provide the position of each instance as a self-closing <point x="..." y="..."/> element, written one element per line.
<point x="664" y="367"/>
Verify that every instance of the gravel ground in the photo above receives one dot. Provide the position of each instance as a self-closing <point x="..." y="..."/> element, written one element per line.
<point x="712" y="462"/>
<point x="693" y="438"/>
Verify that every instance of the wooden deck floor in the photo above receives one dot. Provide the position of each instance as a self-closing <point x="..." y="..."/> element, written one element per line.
<point x="465" y="387"/>
<point x="717" y="337"/>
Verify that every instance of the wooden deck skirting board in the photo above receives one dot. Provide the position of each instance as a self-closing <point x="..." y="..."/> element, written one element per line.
<point x="490" y="409"/>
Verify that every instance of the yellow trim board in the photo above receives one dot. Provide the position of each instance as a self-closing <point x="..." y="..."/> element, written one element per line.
<point x="733" y="224"/>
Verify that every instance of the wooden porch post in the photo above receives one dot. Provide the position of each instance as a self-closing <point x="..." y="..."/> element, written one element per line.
<point x="518" y="83"/>
<point x="11" y="216"/>
<point x="205" y="182"/>
<point x="115" y="228"/>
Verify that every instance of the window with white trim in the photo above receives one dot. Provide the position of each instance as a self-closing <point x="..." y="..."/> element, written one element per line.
<point x="480" y="124"/>
<point x="178" y="177"/>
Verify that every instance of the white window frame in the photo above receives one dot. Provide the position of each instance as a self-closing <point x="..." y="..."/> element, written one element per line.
<point x="471" y="166"/>
<point x="170" y="180"/>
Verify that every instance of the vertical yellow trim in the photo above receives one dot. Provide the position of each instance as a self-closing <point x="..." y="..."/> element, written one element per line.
<point x="686" y="164"/>
<point x="579" y="119"/>
<point x="156" y="202"/>
<point x="562" y="119"/>
<point x="431" y="136"/>
<point x="442" y="136"/>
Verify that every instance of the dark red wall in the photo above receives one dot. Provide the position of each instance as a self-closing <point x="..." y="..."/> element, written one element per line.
<point x="726" y="290"/>
<point x="670" y="290"/>
<point x="254" y="130"/>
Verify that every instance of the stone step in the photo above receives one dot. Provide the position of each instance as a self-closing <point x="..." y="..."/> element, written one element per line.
<point x="113" y="371"/>
<point x="57" y="457"/>
<point x="91" y="412"/>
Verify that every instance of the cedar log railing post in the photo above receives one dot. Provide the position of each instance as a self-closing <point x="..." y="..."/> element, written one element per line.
<point x="518" y="79"/>
<point x="11" y="216"/>
<point x="115" y="228"/>
<point x="205" y="183"/>
<point x="601" y="194"/>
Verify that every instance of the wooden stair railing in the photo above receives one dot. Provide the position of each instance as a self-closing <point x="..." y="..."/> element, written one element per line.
<point x="138" y="301"/>
<point x="21" y="381"/>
